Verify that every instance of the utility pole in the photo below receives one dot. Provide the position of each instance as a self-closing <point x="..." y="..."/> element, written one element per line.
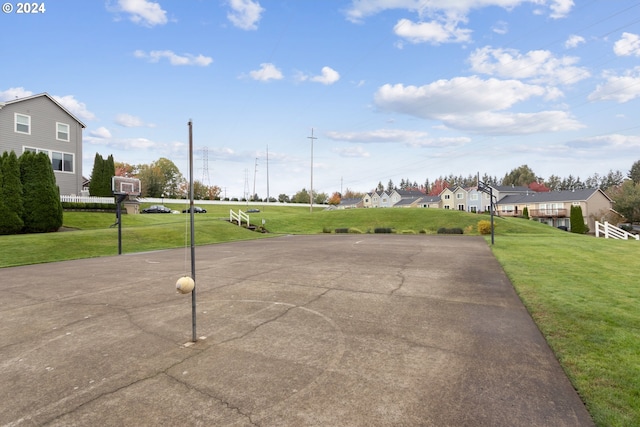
<point x="311" y="192"/>
<point x="267" y="174"/>
<point x="255" y="172"/>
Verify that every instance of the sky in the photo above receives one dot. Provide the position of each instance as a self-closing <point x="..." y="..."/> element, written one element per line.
<point x="389" y="89"/>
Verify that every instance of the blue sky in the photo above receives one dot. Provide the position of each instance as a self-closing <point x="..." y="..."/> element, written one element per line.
<point x="393" y="89"/>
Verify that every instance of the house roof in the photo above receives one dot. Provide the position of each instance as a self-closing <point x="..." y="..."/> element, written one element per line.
<point x="350" y="201"/>
<point x="512" y="188"/>
<point x="552" y="196"/>
<point x="26" y="98"/>
<point x="410" y="193"/>
<point x="407" y="201"/>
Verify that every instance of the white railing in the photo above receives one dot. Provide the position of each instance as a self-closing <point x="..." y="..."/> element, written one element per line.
<point x="612" y="232"/>
<point x="238" y="217"/>
<point x="86" y="199"/>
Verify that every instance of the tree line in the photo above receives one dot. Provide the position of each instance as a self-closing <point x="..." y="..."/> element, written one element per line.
<point x="29" y="196"/>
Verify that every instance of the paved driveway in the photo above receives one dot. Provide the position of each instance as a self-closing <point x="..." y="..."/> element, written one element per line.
<point x="331" y="330"/>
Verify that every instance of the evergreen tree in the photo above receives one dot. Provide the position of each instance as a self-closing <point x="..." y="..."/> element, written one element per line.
<point x="634" y="173"/>
<point x="577" y="221"/>
<point x="11" y="206"/>
<point x="41" y="195"/>
<point x="109" y="172"/>
<point x="96" y="176"/>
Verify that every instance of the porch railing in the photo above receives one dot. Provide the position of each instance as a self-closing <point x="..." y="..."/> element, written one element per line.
<point x="612" y="232"/>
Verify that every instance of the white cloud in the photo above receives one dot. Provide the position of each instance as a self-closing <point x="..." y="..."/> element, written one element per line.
<point x="130" y="121"/>
<point x="628" y="45"/>
<point x="574" y="41"/>
<point x="513" y="123"/>
<point x="266" y="72"/>
<point x="538" y="66"/>
<point x="500" y="27"/>
<point x="14" y="93"/>
<point x="101" y="132"/>
<point x="143" y="12"/>
<point x="378" y="136"/>
<point x="75" y="107"/>
<point x="452" y="9"/>
<point x="619" y="88"/>
<point x="612" y="141"/>
<point x="431" y="32"/>
<point x="352" y="152"/>
<point x="174" y="59"/>
<point x="560" y="8"/>
<point x="473" y="104"/>
<point x="328" y="77"/>
<point x="245" y="14"/>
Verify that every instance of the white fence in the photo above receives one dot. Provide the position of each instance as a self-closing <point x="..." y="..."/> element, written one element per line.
<point x="240" y="216"/>
<point x="612" y="232"/>
<point x="87" y="199"/>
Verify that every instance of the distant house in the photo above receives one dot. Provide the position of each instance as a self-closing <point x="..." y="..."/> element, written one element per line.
<point x="454" y="198"/>
<point x="39" y="123"/>
<point x="554" y="208"/>
<point x="350" y="203"/>
<point x="377" y="199"/>
<point x="398" y="195"/>
<point x="477" y="201"/>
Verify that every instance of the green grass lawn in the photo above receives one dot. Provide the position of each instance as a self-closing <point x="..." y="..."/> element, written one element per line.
<point x="583" y="292"/>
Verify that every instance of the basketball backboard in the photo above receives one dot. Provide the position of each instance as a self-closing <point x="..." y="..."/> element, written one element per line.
<point x="123" y="185"/>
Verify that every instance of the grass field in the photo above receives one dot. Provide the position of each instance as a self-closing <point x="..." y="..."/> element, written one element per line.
<point x="583" y="292"/>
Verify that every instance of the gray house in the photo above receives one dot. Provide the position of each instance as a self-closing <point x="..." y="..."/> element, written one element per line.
<point x="39" y="123"/>
<point x="554" y="207"/>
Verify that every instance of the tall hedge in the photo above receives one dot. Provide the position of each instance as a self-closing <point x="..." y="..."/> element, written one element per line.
<point x="11" y="205"/>
<point x="103" y="171"/>
<point x="577" y="221"/>
<point x="41" y="195"/>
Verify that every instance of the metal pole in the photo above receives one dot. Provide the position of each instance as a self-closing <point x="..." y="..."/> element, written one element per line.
<point x="311" y="192"/>
<point x="193" y="243"/>
<point x="491" y="204"/>
<point x="119" y="214"/>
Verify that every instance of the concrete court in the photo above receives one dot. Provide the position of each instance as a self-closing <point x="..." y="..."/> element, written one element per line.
<point x="330" y="330"/>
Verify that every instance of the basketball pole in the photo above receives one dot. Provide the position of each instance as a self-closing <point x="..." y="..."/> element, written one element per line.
<point x="193" y="243"/>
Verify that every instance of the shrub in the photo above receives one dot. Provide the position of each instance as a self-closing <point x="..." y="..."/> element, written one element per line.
<point x="11" y="207"/>
<point x="577" y="221"/>
<point x="383" y="230"/>
<point x="353" y="230"/>
<point x="326" y="230"/>
<point x="525" y="213"/>
<point x="484" y="227"/>
<point x="342" y="230"/>
<point x="41" y="196"/>
<point x="443" y="230"/>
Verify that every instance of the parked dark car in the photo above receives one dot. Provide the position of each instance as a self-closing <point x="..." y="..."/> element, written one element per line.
<point x="156" y="209"/>
<point x="196" y="209"/>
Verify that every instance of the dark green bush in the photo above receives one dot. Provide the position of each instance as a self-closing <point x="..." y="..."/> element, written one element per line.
<point x="444" y="230"/>
<point x="90" y="206"/>
<point x="41" y="195"/>
<point x="342" y="230"/>
<point x="383" y="230"/>
<point x="11" y="206"/>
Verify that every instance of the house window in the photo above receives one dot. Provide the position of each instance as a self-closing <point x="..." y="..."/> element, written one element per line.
<point x="447" y="197"/>
<point x="36" y="150"/>
<point x="459" y="196"/>
<point x="474" y="196"/>
<point x="23" y="124"/>
<point x="460" y="207"/>
<point x="446" y="206"/>
<point x="62" y="162"/>
<point x="62" y="132"/>
<point x="473" y="209"/>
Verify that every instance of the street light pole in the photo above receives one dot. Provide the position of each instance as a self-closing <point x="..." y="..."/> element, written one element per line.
<point x="311" y="192"/>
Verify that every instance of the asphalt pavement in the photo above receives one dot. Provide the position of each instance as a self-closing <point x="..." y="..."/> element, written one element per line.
<point x="328" y="330"/>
